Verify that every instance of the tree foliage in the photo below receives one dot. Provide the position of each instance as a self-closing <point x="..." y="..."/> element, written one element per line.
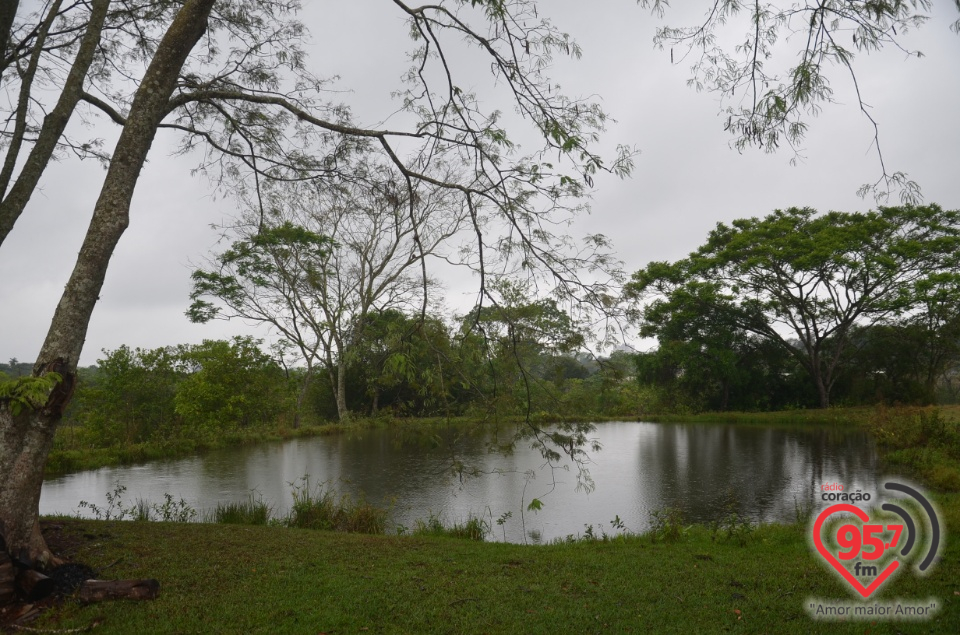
<point x="26" y="393"/>
<point x="199" y="394"/>
<point x="770" y="91"/>
<point x="803" y="281"/>
<point x="323" y="259"/>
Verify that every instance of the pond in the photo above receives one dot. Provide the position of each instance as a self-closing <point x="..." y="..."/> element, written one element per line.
<point x="764" y="473"/>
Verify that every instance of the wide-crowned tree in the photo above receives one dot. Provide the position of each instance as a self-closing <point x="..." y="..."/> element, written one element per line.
<point x="802" y="281"/>
<point x="705" y="359"/>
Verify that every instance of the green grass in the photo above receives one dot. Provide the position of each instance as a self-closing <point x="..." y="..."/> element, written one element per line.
<point x="471" y="529"/>
<point x="924" y="442"/>
<point x="830" y="416"/>
<point x="233" y="579"/>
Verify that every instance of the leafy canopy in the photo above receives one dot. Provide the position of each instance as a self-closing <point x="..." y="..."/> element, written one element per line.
<point x="803" y="280"/>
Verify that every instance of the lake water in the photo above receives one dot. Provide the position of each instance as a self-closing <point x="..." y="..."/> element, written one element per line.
<point x="764" y="472"/>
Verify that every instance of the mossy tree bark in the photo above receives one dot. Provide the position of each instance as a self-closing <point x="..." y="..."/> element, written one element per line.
<point x="28" y="436"/>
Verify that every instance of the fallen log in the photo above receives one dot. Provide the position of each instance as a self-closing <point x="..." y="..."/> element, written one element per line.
<point x="100" y="590"/>
<point x="8" y="577"/>
<point x="34" y="585"/>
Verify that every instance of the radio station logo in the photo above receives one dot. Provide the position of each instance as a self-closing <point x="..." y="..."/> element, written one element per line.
<point x="867" y="548"/>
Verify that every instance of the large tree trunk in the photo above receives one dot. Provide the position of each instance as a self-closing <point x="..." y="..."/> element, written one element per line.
<point x="823" y="391"/>
<point x="27" y="437"/>
<point x="25" y="441"/>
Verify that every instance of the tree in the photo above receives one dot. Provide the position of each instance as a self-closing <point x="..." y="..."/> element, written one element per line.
<point x="270" y="277"/>
<point x="803" y="281"/>
<point x="132" y="397"/>
<point x="407" y="363"/>
<point x="908" y="358"/>
<point x="26" y="56"/>
<point x="324" y="258"/>
<point x="519" y="336"/>
<point x="228" y="386"/>
<point x="511" y="340"/>
<point x="26" y="436"/>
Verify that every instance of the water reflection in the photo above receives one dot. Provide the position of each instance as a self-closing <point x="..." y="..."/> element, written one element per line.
<point x="705" y="470"/>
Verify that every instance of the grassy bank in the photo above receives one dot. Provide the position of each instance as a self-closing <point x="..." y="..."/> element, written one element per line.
<point x="233" y="579"/>
<point x="831" y="416"/>
<point x="66" y="457"/>
<point x="63" y="460"/>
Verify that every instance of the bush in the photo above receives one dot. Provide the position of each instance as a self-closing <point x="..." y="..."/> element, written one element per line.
<point x="667" y="524"/>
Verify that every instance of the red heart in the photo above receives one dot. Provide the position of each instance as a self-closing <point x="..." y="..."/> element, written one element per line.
<point x="862" y="515"/>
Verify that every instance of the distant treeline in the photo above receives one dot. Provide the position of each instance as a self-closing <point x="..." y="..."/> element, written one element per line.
<point x="884" y="364"/>
<point x="15" y="368"/>
<point x="202" y="393"/>
<point x="497" y="364"/>
<point x="206" y="392"/>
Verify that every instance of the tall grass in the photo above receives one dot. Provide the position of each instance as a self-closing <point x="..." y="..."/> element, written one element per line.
<point x="922" y="440"/>
<point x="319" y="508"/>
<point x="472" y="529"/>
<point x="253" y="511"/>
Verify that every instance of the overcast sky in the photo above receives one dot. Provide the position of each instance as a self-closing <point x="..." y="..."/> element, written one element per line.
<point x="686" y="180"/>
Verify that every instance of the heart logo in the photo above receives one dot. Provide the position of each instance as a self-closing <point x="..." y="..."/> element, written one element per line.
<point x="865" y="591"/>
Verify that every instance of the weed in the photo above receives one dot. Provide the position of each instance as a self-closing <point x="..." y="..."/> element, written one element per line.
<point x="173" y="512"/>
<point x="617" y="524"/>
<point x="732" y="526"/>
<point x="114" y="509"/>
<point x="502" y="521"/>
<point x="802" y="512"/>
<point x="591" y="534"/>
<point x="141" y="510"/>
<point x="667" y="524"/>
